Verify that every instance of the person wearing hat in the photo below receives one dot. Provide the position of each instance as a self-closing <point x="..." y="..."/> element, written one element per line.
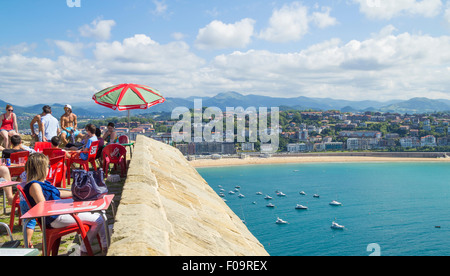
<point x="69" y="125"/>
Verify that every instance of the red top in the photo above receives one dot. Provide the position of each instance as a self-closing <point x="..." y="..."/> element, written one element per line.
<point x="7" y="124"/>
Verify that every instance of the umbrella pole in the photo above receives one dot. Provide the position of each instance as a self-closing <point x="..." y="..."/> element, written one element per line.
<point x="128" y="123"/>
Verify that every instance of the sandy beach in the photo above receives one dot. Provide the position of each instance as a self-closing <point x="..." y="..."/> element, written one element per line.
<point x="202" y="163"/>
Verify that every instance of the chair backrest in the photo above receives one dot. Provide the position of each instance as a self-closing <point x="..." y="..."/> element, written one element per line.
<point x="123" y="139"/>
<point x="114" y="152"/>
<point x="20" y="189"/>
<point x="93" y="150"/>
<point x="56" y="170"/>
<point x="53" y="152"/>
<point x="40" y="146"/>
<point x="16" y="155"/>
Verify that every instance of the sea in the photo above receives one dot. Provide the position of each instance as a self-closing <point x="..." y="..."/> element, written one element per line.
<point x="388" y="209"/>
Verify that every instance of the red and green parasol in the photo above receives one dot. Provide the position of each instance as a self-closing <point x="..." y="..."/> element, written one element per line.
<point x="128" y="96"/>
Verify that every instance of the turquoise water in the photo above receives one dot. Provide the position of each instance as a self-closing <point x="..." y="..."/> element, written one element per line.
<point x="395" y="205"/>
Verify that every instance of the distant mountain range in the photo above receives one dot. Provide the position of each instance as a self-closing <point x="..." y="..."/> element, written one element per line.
<point x="234" y="99"/>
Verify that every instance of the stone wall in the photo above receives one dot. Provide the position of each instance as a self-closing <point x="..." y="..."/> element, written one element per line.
<point x="168" y="209"/>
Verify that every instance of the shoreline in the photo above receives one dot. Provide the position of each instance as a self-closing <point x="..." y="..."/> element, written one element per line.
<point x="228" y="162"/>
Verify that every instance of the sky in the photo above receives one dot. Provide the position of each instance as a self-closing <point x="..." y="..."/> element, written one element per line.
<point x="63" y="51"/>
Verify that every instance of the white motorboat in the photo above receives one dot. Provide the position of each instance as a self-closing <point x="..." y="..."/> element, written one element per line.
<point x="241" y="195"/>
<point x="270" y="205"/>
<point x="237" y="187"/>
<point x="259" y="193"/>
<point x="302" y="193"/>
<point x="335" y="203"/>
<point x="301" y="207"/>
<point x="231" y="192"/>
<point x="222" y="195"/>
<point x="337" y="226"/>
<point x="281" y="194"/>
<point x="316" y="195"/>
<point x="280" y="221"/>
<point x="267" y="197"/>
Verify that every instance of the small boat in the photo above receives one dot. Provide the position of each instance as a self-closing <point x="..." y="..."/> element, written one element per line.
<point x="241" y="195"/>
<point x="222" y="190"/>
<point x="316" y="195"/>
<point x="337" y="226"/>
<point x="281" y="194"/>
<point x="302" y="193"/>
<point x="220" y="186"/>
<point x="280" y="221"/>
<point x="335" y="203"/>
<point x="231" y="192"/>
<point x="222" y="195"/>
<point x="237" y="187"/>
<point x="259" y="193"/>
<point x="270" y="205"/>
<point x="301" y="207"/>
<point x="267" y="197"/>
<point x="236" y="190"/>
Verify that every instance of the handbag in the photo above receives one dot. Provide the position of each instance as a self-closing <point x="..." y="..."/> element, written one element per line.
<point x="88" y="185"/>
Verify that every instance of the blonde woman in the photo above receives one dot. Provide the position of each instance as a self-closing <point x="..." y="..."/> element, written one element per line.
<point x="8" y="126"/>
<point x="38" y="190"/>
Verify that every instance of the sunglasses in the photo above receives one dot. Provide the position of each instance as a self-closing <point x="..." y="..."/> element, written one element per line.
<point x="11" y="110"/>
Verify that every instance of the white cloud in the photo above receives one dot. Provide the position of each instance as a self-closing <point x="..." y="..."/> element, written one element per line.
<point x="323" y="19"/>
<point x="387" y="9"/>
<point x="447" y="13"/>
<point x="386" y="65"/>
<point x="292" y="22"/>
<point x="287" y="24"/>
<point x="99" y="29"/>
<point x="69" y="48"/>
<point x="160" y="7"/>
<point x="218" y="35"/>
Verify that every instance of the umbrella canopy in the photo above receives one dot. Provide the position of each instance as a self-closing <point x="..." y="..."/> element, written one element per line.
<point x="128" y="96"/>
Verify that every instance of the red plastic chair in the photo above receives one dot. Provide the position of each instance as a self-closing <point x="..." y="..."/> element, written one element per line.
<point x="14" y="172"/>
<point x="114" y="154"/>
<point x="92" y="153"/>
<point x="53" y="235"/>
<point x="40" y="146"/>
<point x="123" y="139"/>
<point x="15" y="206"/>
<point x="57" y="171"/>
<point x="53" y="152"/>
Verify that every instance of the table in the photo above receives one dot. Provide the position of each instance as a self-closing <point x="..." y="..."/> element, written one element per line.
<point x="65" y="207"/>
<point x="4" y="185"/>
<point x="129" y="145"/>
<point x="13" y="252"/>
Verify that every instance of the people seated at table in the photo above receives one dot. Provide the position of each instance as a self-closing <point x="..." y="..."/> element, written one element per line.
<point x="90" y="136"/>
<point x="38" y="190"/>
<point x="5" y="176"/>
<point x="110" y="135"/>
<point x="8" y="125"/>
<point x="16" y="142"/>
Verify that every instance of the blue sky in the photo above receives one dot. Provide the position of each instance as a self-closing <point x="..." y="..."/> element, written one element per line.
<point x="343" y="49"/>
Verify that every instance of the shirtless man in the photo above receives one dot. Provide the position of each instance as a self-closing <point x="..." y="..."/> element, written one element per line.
<point x="69" y="125"/>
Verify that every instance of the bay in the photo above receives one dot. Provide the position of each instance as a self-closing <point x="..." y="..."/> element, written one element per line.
<point x="396" y="206"/>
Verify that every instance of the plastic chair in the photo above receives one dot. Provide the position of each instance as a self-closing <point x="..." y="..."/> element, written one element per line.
<point x="57" y="171"/>
<point x="114" y="154"/>
<point x="53" y="152"/>
<point x="12" y="243"/>
<point x="15" y="206"/>
<point x="92" y="153"/>
<point x="40" y="146"/>
<point x="14" y="172"/>
<point x="123" y="139"/>
<point x="53" y="235"/>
